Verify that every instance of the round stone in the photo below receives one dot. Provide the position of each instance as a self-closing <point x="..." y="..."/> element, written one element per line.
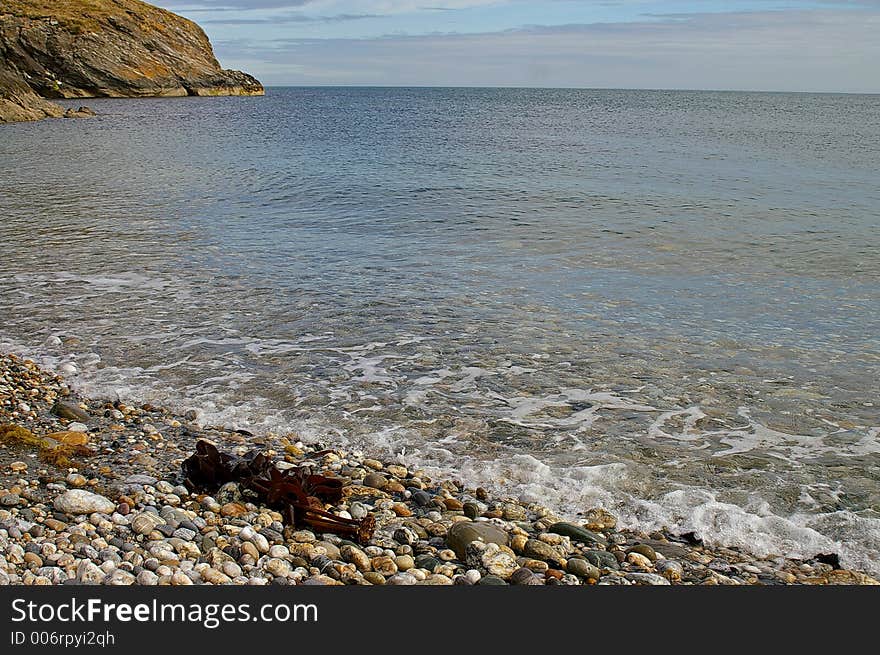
<point x="669" y="569"/>
<point x="404" y="562"/>
<point x="582" y="568"/>
<point x="180" y="579"/>
<point x="577" y="533"/>
<point x="147" y="578"/>
<point x="638" y="559"/>
<point x="462" y="533"/>
<point x="375" y="481"/>
<point x="78" y="501"/>
<point x="602" y="559"/>
<point x="145" y="522"/>
<point x="644" y="549"/>
<point x="542" y="551"/>
<point x="491" y="580"/>
<point x="277" y="567"/>
<point x="377" y="578"/>
<point x="9" y="500"/>
<point x="384" y="565"/>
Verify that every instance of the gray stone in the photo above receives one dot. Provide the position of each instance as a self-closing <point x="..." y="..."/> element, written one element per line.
<point x="70" y="412"/>
<point x="462" y="533"/>
<point x="401" y="579"/>
<point x="491" y="580"/>
<point x="472" y="510"/>
<point x="422" y="498"/>
<point x="119" y="578"/>
<point x="87" y="572"/>
<point x="145" y="522"/>
<point x="524" y="576"/>
<point x="602" y="558"/>
<point x="539" y="550"/>
<point x="78" y="501"/>
<point x="645" y="550"/>
<point x="647" y="578"/>
<point x="183" y="533"/>
<point x="9" y="500"/>
<point x="582" y="568"/>
<point x="375" y="480"/>
<point x="577" y="533"/>
<point x="147" y="578"/>
<point x="144" y="480"/>
<point x="229" y="493"/>
<point x="405" y="535"/>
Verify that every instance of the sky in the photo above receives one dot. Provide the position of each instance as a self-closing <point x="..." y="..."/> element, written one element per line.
<point x="761" y="45"/>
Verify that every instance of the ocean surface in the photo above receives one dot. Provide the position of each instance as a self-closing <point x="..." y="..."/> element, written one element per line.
<point x="663" y="303"/>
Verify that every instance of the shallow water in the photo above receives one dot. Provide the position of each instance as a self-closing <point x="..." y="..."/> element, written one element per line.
<point x="666" y="303"/>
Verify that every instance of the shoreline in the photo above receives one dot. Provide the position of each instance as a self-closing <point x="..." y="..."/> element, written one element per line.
<point x="91" y="492"/>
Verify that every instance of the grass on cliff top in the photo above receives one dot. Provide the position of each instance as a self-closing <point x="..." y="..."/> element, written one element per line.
<point x="85" y="15"/>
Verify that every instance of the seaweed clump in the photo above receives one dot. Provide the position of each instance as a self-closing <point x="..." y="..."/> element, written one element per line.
<point x="299" y="493"/>
<point x="59" y="455"/>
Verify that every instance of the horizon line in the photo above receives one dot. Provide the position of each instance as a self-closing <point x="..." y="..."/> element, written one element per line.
<point x="291" y="85"/>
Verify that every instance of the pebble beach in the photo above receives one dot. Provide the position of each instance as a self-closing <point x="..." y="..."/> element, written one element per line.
<point x="91" y="492"/>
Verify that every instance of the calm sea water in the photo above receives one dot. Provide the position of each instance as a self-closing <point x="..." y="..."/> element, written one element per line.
<point x="665" y="303"/>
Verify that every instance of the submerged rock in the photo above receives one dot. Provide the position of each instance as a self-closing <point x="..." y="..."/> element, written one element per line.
<point x="577" y="533"/>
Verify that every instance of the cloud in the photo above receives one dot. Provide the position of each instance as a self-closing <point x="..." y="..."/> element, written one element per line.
<point x="286" y="18"/>
<point x="226" y="5"/>
<point x="384" y="7"/>
<point x="819" y="50"/>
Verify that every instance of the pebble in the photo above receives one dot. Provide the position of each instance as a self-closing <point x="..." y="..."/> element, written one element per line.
<point x="602" y="559"/>
<point x="88" y="572"/>
<point x="647" y="578"/>
<point x="637" y="559"/>
<point x="356" y="556"/>
<point x="231" y="569"/>
<point x="384" y="565"/>
<point x="404" y="562"/>
<point x="69" y="411"/>
<point x="540" y="550"/>
<point x="645" y="550"/>
<point x="147" y="578"/>
<point x="577" y="533"/>
<point x="422" y="498"/>
<point x="582" y="568"/>
<point x="375" y="481"/>
<point x="179" y="578"/>
<point x="497" y="560"/>
<point x="9" y="500"/>
<point x="119" y="578"/>
<point x="491" y="580"/>
<point x="463" y="533"/>
<point x="145" y="522"/>
<point x="277" y="567"/>
<point x="670" y="569"/>
<point x="213" y="576"/>
<point x="78" y="501"/>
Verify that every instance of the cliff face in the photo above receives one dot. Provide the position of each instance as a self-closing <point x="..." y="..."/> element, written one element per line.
<point x="18" y="102"/>
<point x="109" y="48"/>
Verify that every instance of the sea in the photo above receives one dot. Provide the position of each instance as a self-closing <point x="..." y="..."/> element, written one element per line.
<point x="663" y="303"/>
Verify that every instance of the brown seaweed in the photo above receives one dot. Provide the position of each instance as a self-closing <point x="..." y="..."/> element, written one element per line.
<point x="56" y="454"/>
<point x="300" y="494"/>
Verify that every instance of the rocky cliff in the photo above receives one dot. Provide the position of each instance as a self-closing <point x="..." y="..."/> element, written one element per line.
<point x="104" y="48"/>
<point x="18" y="102"/>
